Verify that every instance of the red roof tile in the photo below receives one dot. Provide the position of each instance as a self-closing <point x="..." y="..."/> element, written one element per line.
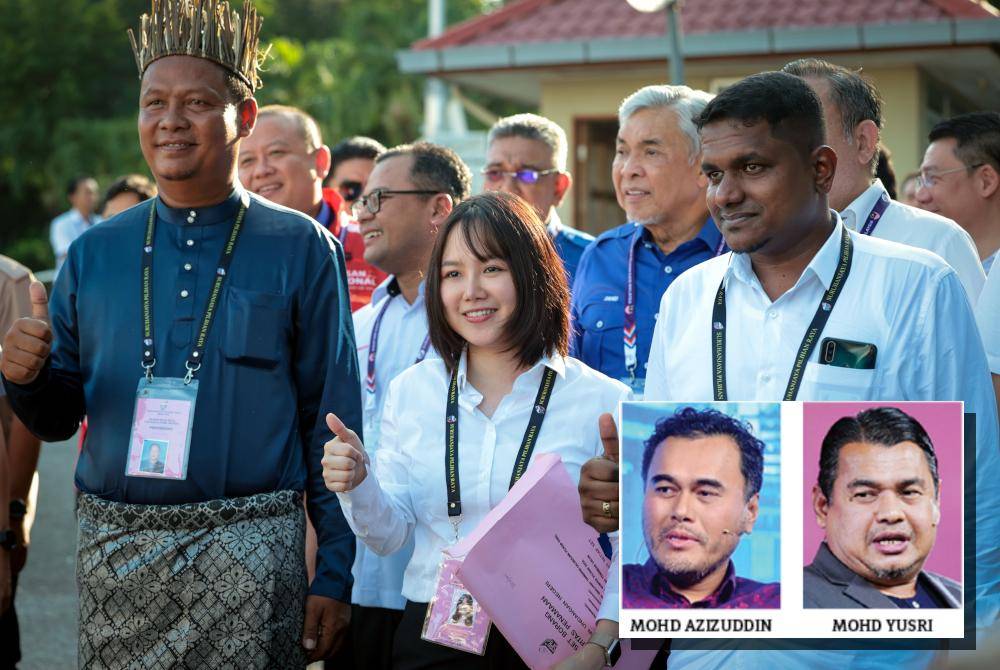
<point x="562" y="20"/>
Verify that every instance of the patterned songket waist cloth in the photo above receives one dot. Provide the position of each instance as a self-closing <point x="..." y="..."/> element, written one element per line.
<point x="219" y="584"/>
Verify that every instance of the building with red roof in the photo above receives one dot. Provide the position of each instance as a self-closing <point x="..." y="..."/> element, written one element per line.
<point x="575" y="60"/>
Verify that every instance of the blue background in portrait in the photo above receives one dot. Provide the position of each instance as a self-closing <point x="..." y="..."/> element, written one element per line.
<point x="758" y="555"/>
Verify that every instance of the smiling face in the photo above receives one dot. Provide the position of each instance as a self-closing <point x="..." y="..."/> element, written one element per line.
<point x="948" y="189"/>
<point x="478" y="295"/>
<point x="694" y="491"/>
<point x="189" y="128"/>
<point x="763" y="193"/>
<point x="510" y="154"/>
<point x="275" y="163"/>
<point x="881" y="519"/>
<point x="653" y="172"/>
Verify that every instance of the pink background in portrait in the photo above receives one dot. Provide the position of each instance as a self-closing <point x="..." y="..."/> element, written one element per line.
<point x="943" y="423"/>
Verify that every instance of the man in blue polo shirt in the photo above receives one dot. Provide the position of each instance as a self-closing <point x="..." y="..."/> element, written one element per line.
<point x="621" y="277"/>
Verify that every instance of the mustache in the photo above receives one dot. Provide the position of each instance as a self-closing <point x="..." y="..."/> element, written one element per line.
<point x="680" y="528"/>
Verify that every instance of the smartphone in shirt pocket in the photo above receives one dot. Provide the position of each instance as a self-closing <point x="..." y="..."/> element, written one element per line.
<point x="847" y="354"/>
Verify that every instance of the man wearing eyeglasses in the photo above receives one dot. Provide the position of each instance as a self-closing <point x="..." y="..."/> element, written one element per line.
<point x="410" y="192"/>
<point x="852" y="109"/>
<point x="285" y="161"/>
<point x="960" y="177"/>
<point x="526" y="156"/>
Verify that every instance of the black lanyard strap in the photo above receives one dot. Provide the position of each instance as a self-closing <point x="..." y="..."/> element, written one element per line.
<point x="193" y="363"/>
<point x="527" y="442"/>
<point x="809" y="340"/>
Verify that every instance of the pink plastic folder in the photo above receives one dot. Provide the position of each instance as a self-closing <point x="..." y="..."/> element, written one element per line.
<point x="536" y="567"/>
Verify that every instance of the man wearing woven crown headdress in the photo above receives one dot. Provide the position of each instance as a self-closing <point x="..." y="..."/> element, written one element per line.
<point x="209" y="325"/>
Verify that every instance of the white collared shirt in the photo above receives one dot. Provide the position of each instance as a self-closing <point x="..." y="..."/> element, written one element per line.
<point x="924" y="230"/>
<point x="379" y="579"/>
<point x="988" y="317"/>
<point x="64" y="230"/>
<point x="407" y="497"/>
<point x="905" y="301"/>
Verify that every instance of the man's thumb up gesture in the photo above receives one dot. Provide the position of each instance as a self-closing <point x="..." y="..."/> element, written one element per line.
<point x="344" y="458"/>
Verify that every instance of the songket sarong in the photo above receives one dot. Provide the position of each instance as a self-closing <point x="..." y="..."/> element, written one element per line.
<point x="220" y="584"/>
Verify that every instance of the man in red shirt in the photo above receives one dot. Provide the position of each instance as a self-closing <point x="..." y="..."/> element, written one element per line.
<point x="285" y="161"/>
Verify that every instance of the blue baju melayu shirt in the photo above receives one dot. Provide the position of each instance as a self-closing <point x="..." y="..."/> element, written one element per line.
<point x="280" y="354"/>
<point x="599" y="292"/>
<point x="570" y="244"/>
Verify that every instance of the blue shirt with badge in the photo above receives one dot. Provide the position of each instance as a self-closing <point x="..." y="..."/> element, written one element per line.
<point x="570" y="244"/>
<point x="599" y="293"/>
<point x="280" y="353"/>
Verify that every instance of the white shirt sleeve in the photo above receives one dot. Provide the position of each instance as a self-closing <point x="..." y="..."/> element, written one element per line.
<point x="988" y="318"/>
<point x="656" y="368"/>
<point x="380" y="510"/>
<point x="61" y="235"/>
<point x="960" y="253"/>
<point x="609" y="606"/>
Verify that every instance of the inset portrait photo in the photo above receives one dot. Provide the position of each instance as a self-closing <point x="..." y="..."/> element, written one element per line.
<point x="883" y="505"/>
<point x="700" y="515"/>
<point x="154" y="453"/>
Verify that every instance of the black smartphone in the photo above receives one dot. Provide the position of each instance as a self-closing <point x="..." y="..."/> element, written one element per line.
<point x="847" y="354"/>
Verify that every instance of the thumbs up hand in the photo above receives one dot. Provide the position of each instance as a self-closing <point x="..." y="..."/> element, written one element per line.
<point x="599" y="481"/>
<point x="345" y="463"/>
<point x="27" y="344"/>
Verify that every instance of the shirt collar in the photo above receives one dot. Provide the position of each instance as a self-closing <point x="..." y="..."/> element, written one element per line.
<point x="660" y="586"/>
<point x="389" y="287"/>
<point x="202" y="216"/>
<point x="709" y="234"/>
<point x="823" y="265"/>
<point x="554" y="225"/>
<point x="325" y="216"/>
<point x="857" y="212"/>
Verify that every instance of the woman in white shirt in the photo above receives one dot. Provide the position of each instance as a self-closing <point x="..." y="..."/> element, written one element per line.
<point x="498" y="314"/>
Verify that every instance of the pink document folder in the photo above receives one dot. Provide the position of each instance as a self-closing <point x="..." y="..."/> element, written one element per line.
<point x="536" y="567"/>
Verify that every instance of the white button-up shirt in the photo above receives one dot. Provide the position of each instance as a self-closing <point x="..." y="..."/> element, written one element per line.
<point x="407" y="497"/>
<point x="378" y="580"/>
<point x="905" y="301"/>
<point x="924" y="230"/>
<point x="64" y="230"/>
<point x="988" y="317"/>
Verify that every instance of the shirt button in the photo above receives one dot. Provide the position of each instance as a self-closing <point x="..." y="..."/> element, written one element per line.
<point x="773" y="314"/>
<point x="600" y="324"/>
<point x="192" y="213"/>
<point x="765" y="378"/>
<point x="187" y="266"/>
<point x="190" y="243"/>
<point x="668" y="269"/>
<point x="184" y="293"/>
<point x="190" y="219"/>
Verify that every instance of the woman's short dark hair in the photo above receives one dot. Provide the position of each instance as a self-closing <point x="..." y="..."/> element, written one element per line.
<point x="502" y="225"/>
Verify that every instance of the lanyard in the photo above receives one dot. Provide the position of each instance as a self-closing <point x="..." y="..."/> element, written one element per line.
<point x="630" y="331"/>
<point x="808" y="341"/>
<point x="524" y="454"/>
<point x="876" y="214"/>
<point x="193" y="363"/>
<point x="373" y="340"/>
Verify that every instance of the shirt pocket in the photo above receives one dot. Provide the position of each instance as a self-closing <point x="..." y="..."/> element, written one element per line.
<point x="829" y="382"/>
<point x="256" y="327"/>
<point x="602" y="325"/>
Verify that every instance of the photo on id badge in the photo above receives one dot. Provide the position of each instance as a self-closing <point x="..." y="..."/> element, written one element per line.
<point x="700" y="514"/>
<point x="154" y="453"/>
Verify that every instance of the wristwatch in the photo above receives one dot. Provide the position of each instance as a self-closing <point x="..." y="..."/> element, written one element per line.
<point x="8" y="540"/>
<point x="609" y="644"/>
<point x="18" y="509"/>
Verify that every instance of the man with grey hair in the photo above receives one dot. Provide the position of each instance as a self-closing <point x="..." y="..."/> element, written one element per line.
<point x="623" y="274"/>
<point x="285" y="161"/>
<point x="526" y="156"/>
<point x="852" y="108"/>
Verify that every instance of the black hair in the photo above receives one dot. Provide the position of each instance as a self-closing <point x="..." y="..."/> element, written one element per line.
<point x="435" y="168"/>
<point x="885" y="171"/>
<point x="354" y="147"/>
<point x="976" y="135"/>
<point x="690" y="422"/>
<point x="791" y="108"/>
<point x="884" y="426"/>
<point x="130" y="183"/>
<point x="75" y="182"/>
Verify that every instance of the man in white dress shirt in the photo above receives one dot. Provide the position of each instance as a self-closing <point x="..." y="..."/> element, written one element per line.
<point x="852" y="108"/>
<point x="65" y="228"/>
<point x="409" y="193"/>
<point x="899" y="325"/>
<point x="960" y="177"/>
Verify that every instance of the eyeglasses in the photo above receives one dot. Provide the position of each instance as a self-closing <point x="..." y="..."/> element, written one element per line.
<point x="350" y="190"/>
<point x="525" y="176"/>
<point x="373" y="201"/>
<point x="929" y="179"/>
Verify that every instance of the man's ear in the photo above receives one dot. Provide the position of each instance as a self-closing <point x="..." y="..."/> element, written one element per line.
<point x="323" y="162"/>
<point x="824" y="164"/>
<point x="866" y="139"/>
<point x="247" y="116"/>
<point x="753" y="509"/>
<point x="820" y="506"/>
<point x="986" y="180"/>
<point x="937" y="507"/>
<point x="563" y="182"/>
<point x="442" y="206"/>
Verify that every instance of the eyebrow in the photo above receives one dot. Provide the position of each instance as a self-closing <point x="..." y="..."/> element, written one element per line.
<point x="701" y="481"/>
<point x="869" y="483"/>
<point x="742" y="159"/>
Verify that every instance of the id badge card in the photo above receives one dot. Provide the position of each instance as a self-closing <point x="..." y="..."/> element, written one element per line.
<point x="160" y="441"/>
<point x="454" y="617"/>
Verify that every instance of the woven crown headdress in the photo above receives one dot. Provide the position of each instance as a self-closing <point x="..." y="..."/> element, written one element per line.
<point x="206" y="29"/>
